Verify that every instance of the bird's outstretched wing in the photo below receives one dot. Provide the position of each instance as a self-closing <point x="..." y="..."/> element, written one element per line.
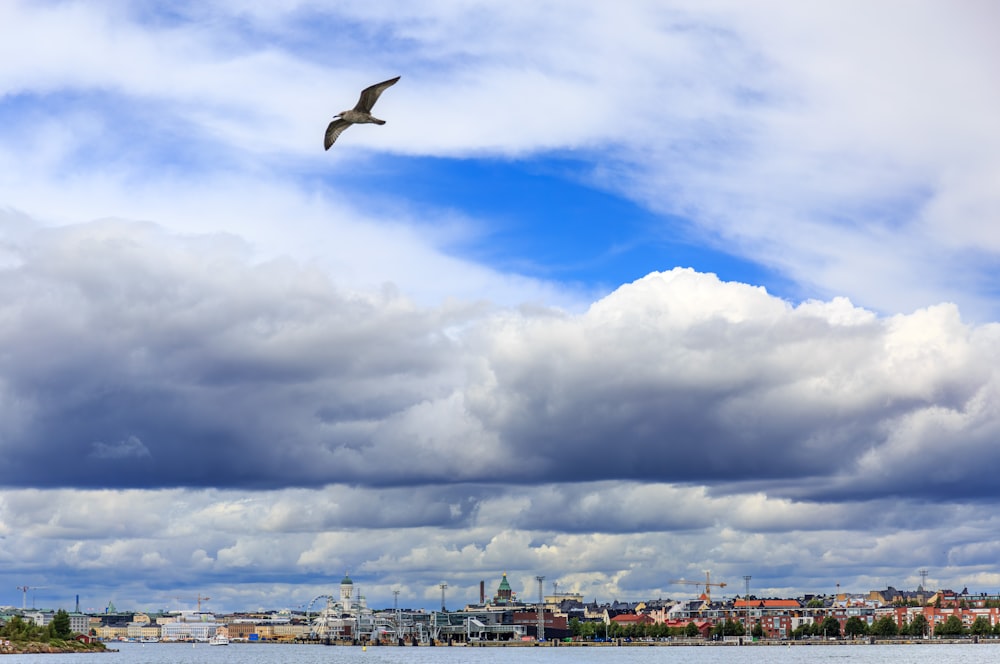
<point x="370" y="95"/>
<point x="333" y="130"/>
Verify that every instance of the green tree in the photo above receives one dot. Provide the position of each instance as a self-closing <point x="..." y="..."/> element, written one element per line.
<point x="60" y="625"/>
<point x="13" y="629"/>
<point x="918" y="626"/>
<point x="814" y="603"/>
<point x="950" y="627"/>
<point x="855" y="626"/>
<point x="18" y="629"/>
<point x="885" y="627"/>
<point x="830" y="627"/>
<point x="588" y="629"/>
<point x="804" y="630"/>
<point x="691" y="631"/>
<point x="733" y="628"/>
<point x="757" y="631"/>
<point x="981" y="626"/>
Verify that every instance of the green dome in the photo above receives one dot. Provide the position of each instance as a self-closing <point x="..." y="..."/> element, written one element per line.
<point x="346" y="581"/>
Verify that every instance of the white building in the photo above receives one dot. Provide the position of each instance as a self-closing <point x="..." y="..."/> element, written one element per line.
<point x="192" y="626"/>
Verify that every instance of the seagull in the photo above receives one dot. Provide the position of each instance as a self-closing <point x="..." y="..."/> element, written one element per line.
<point x="360" y="114"/>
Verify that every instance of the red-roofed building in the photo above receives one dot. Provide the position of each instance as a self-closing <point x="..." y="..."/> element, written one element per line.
<point x="767" y="604"/>
<point x="776" y="616"/>
<point x="704" y="626"/>
<point x="626" y="619"/>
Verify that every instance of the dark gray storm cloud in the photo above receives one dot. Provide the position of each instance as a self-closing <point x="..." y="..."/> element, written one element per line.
<point x="138" y="358"/>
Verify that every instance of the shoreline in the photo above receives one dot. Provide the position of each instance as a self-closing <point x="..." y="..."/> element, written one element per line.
<point x="41" y="648"/>
<point x="681" y="643"/>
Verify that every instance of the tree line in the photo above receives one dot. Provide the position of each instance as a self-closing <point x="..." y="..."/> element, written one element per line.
<point x="19" y="630"/>
<point x="590" y="630"/>
<point x="885" y="627"/>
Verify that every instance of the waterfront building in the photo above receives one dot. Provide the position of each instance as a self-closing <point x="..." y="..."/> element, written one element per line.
<point x="242" y="630"/>
<point x="188" y="631"/>
<point x="280" y="626"/>
<point x="111" y="632"/>
<point x="139" y="631"/>
<point x="630" y="619"/>
<point x="556" y="627"/>
<point x="777" y="617"/>
<point x="190" y="626"/>
<point x="287" y="631"/>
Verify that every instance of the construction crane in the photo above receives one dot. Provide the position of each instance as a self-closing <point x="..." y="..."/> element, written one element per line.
<point x="24" y="594"/>
<point x="707" y="595"/>
<point x="199" y="599"/>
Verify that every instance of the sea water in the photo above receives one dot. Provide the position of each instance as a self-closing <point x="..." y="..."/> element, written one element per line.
<point x="257" y="653"/>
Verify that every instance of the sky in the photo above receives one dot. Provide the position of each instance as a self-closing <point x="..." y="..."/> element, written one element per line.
<point x="620" y="293"/>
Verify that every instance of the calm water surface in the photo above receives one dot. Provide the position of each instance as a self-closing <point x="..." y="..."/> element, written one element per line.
<point x="242" y="653"/>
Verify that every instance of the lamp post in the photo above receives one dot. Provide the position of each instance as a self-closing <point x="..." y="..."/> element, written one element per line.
<point x="746" y="598"/>
<point x="395" y="610"/>
<point x="540" y="635"/>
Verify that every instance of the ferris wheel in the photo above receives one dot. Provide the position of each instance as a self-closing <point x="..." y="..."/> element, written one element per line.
<point x="321" y="623"/>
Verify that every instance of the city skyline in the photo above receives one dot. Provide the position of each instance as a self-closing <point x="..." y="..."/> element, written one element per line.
<point x="617" y="295"/>
<point x="493" y="595"/>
